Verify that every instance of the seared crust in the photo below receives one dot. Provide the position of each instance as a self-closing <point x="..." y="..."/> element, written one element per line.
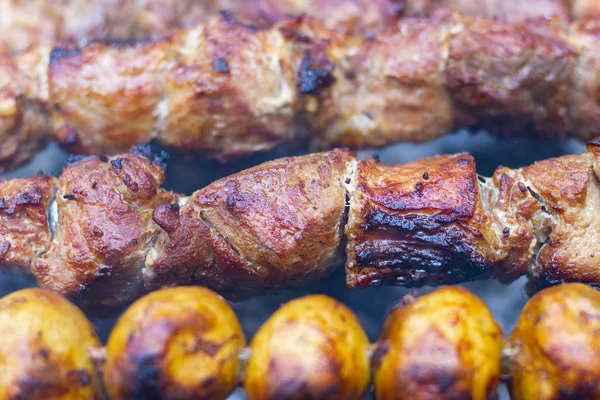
<point x="104" y="229"/>
<point x="271" y="227"/>
<point x="24" y="227"/>
<point x="409" y="230"/>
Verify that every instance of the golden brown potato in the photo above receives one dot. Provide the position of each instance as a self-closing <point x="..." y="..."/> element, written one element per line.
<point x="444" y="345"/>
<point x="311" y="348"/>
<point x="46" y="347"/>
<point x="176" y="343"/>
<point x="554" y="350"/>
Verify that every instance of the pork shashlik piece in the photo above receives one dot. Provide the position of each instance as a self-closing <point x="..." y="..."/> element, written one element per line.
<point x="187" y="343"/>
<point x="226" y="89"/>
<point x="104" y="232"/>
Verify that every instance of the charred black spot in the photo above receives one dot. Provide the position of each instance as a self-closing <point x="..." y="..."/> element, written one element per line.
<point x="506" y="232"/>
<point x="313" y="76"/>
<point x="68" y="197"/>
<point x="131" y="184"/>
<point x="522" y="187"/>
<point x="3" y="204"/>
<point x="419" y="187"/>
<point x="117" y="163"/>
<point x="220" y="65"/>
<point x="595" y="142"/>
<point x="426" y="175"/>
<point x="159" y="157"/>
<point x="134" y="242"/>
<point x="57" y="53"/>
<point x="75" y="158"/>
<point x="351" y="75"/>
<point x="147" y="382"/>
<point x="94" y="184"/>
<point x="104" y="270"/>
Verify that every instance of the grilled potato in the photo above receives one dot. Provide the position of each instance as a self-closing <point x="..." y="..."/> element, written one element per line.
<point x="554" y="350"/>
<point x="311" y="348"/>
<point x="46" y="347"/>
<point x="444" y="345"/>
<point x="176" y="343"/>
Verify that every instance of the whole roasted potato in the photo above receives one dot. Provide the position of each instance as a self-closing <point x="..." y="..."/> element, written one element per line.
<point x="176" y="343"/>
<point x="311" y="348"/>
<point x="46" y="347"/>
<point x="444" y="345"/>
<point x="554" y="350"/>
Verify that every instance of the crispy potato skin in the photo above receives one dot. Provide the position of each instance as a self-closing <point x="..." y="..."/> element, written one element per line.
<point x="45" y="349"/>
<point x="445" y="345"/>
<point x="177" y="343"/>
<point x="554" y="350"/>
<point x="311" y="348"/>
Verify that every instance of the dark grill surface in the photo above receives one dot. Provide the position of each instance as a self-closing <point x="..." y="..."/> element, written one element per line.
<point x="187" y="173"/>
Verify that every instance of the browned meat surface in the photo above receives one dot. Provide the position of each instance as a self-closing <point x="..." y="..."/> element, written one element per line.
<point x="112" y="233"/>
<point x="103" y="228"/>
<point x="279" y="224"/>
<point x="24" y="214"/>
<point x="225" y="90"/>
<point x="24" y="22"/>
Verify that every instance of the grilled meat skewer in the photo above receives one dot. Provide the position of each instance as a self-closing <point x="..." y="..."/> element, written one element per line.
<point x="226" y="90"/>
<point x="104" y="232"/>
<point x="187" y="343"/>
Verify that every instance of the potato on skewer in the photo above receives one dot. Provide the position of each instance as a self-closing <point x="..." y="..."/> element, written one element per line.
<point x="47" y="349"/>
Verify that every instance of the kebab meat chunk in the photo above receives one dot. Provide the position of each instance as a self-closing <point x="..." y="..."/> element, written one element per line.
<point x="105" y="232"/>
<point x="226" y="90"/>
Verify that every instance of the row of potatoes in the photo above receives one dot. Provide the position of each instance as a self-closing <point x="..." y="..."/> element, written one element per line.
<point x="187" y="343"/>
